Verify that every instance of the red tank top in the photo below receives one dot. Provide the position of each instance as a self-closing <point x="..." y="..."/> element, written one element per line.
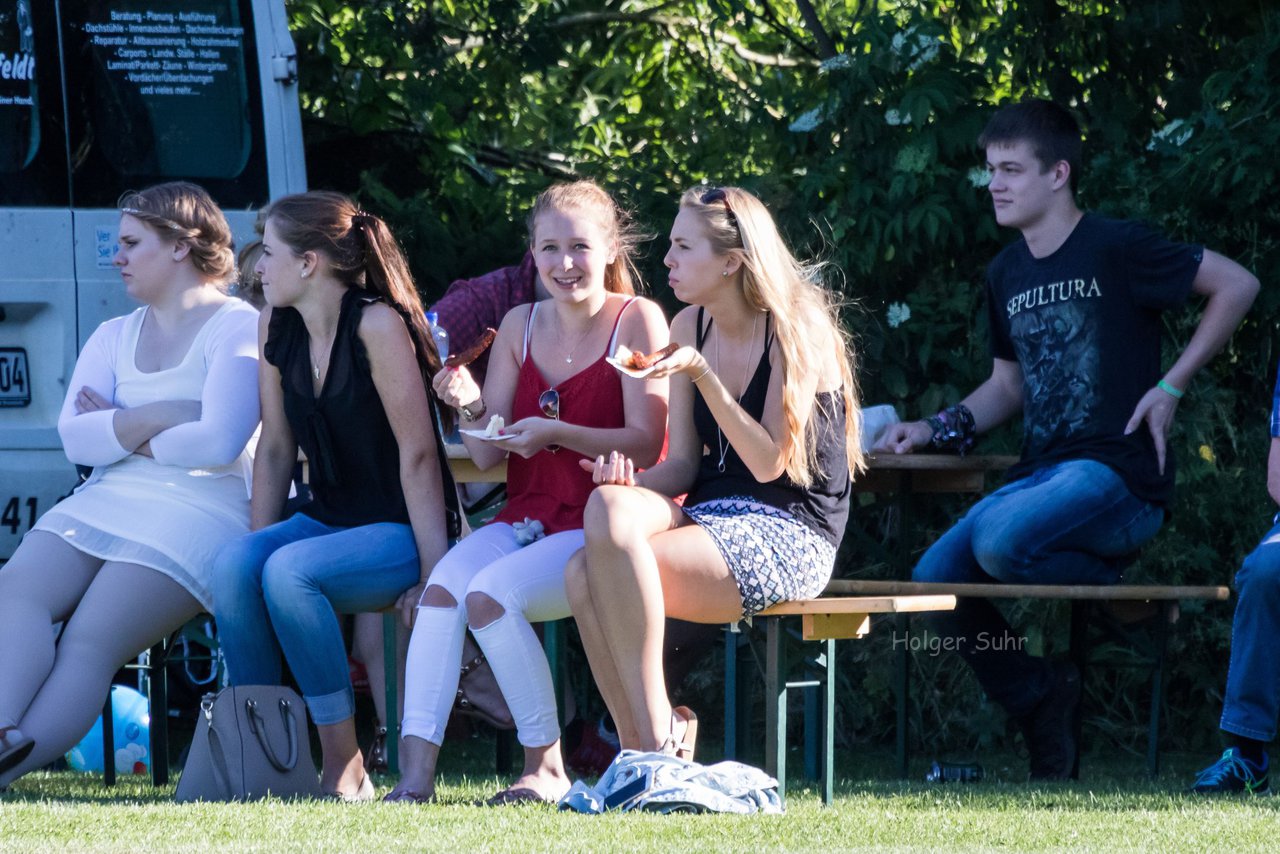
<point x="552" y="487"/>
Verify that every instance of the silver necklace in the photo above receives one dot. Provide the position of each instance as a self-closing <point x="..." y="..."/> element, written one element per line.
<point x="746" y="377"/>
<point x="315" y="363"/>
<point x="569" y="358"/>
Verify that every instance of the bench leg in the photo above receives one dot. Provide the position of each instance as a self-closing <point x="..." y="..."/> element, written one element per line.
<point x="504" y="751"/>
<point x="812" y="713"/>
<point x="775" y="711"/>
<point x="109" y="743"/>
<point x="1079" y="654"/>
<point x="829" y="723"/>
<point x="553" y="644"/>
<point x="731" y="636"/>
<point x="391" y="673"/>
<point x="902" y="688"/>
<point x="158" y="702"/>
<point x="1157" y="687"/>
<point x="819" y="718"/>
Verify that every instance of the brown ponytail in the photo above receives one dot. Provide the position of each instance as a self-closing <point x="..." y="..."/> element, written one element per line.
<point x="362" y="253"/>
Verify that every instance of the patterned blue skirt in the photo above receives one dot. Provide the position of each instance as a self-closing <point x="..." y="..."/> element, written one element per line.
<point x="774" y="557"/>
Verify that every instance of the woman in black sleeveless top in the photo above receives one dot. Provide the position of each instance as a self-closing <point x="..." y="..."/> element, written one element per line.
<point x="763" y="437"/>
<point x="345" y="350"/>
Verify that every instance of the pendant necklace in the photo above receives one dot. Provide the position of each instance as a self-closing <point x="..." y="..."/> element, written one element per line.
<point x="746" y="378"/>
<point x="315" y="363"/>
<point x="583" y="337"/>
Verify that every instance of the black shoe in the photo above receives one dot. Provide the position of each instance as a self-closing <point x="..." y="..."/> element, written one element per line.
<point x="1049" y="728"/>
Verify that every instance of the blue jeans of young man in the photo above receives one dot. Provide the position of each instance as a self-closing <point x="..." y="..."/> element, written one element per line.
<point x="283" y="587"/>
<point x="1253" y="680"/>
<point x="1070" y="523"/>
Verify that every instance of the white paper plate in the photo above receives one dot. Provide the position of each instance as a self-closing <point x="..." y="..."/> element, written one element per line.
<point x="484" y="436"/>
<point x="631" y="372"/>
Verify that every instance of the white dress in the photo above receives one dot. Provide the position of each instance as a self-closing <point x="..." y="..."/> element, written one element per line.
<point x="173" y="511"/>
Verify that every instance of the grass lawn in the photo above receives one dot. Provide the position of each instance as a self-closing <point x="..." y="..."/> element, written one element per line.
<point x="1115" y="808"/>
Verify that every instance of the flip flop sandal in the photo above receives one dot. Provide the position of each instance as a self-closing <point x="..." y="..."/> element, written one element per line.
<point x="521" y="795"/>
<point x="408" y="796"/>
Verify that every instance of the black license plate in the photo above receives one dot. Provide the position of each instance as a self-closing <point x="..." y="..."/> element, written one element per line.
<point x="15" y="379"/>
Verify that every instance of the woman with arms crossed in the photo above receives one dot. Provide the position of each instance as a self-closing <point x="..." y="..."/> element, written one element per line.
<point x="767" y="389"/>
<point x="161" y="404"/>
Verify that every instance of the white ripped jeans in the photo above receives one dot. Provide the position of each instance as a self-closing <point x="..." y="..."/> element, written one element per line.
<point x="528" y="582"/>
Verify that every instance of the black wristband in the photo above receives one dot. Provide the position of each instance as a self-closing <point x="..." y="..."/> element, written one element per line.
<point x="953" y="429"/>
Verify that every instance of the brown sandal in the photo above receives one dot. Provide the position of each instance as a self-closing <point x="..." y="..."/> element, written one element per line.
<point x="684" y="747"/>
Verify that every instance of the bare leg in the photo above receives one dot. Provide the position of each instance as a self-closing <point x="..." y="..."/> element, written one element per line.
<point x="343" y="771"/>
<point x="418" y="758"/>
<point x="40" y="585"/>
<point x="645" y="562"/>
<point x="126" y="609"/>
<point x="608" y="682"/>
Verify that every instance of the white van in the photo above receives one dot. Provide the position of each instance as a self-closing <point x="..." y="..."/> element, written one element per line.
<point x="98" y="97"/>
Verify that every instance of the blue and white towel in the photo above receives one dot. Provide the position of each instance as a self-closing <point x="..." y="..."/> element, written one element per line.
<point x="655" y="782"/>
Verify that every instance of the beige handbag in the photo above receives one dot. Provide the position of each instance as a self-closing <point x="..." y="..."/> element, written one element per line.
<point x="251" y="741"/>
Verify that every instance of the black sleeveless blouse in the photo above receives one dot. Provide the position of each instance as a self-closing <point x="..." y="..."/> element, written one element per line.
<point x="824" y="506"/>
<point x="352" y="452"/>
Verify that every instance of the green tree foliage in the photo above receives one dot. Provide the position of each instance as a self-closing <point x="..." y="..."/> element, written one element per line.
<point x="855" y="120"/>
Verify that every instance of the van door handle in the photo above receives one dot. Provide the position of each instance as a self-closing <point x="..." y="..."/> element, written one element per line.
<point x="284" y="68"/>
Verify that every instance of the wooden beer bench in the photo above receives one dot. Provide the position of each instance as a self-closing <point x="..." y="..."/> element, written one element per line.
<point x="1164" y="602"/>
<point x="826" y="620"/>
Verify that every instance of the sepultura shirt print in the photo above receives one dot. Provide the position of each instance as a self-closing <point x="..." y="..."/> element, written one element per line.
<point x="1084" y="325"/>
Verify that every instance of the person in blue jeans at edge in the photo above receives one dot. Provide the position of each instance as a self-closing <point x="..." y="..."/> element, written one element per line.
<point x="345" y="353"/>
<point x="1252" y="703"/>
<point x="1074" y="309"/>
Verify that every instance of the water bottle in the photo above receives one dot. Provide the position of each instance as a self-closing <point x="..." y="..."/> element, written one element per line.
<point x="438" y="335"/>
<point x="954" y="772"/>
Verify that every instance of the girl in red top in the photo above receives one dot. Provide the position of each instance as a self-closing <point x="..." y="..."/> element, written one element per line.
<point x="548" y="380"/>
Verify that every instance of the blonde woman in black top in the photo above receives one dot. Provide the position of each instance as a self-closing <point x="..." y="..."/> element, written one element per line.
<point x="763" y="437"/>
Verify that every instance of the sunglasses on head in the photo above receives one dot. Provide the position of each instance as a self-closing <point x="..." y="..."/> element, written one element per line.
<point x="718" y="194"/>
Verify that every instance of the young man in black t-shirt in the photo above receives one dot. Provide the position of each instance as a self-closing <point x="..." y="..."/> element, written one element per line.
<point x="1075" y="334"/>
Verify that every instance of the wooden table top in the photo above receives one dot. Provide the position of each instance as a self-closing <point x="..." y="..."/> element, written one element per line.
<point x="885" y="472"/>
<point x="864" y="605"/>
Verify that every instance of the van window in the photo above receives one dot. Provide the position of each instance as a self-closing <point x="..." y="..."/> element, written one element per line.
<point x="163" y="90"/>
<point x="33" y="153"/>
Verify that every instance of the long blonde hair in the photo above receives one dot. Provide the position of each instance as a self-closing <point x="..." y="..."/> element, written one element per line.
<point x="805" y="314"/>
<point x="620" y="277"/>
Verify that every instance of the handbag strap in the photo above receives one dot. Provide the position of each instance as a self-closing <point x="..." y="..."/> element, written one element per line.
<point x="258" y="726"/>
<point x="218" y="762"/>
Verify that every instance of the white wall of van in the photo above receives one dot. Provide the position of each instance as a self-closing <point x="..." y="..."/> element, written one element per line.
<point x="98" y="97"/>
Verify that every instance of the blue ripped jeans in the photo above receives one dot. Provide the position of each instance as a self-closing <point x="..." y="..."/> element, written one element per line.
<point x="1252" y="703"/>
<point x="283" y="587"/>
<point x="1074" y="522"/>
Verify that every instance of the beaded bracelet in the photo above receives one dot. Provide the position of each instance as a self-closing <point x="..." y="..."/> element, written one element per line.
<point x="953" y="429"/>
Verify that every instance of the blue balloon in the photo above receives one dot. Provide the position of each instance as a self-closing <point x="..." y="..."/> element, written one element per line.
<point x="132" y="722"/>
